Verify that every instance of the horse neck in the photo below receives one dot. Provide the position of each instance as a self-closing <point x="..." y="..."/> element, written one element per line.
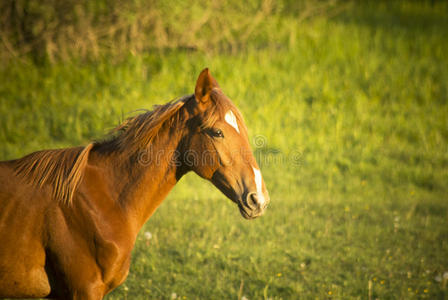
<point x="142" y="180"/>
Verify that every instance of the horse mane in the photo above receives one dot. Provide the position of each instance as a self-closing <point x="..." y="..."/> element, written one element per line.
<point x="137" y="132"/>
<point x="63" y="169"/>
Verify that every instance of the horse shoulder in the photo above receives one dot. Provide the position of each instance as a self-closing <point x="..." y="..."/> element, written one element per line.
<point x="113" y="238"/>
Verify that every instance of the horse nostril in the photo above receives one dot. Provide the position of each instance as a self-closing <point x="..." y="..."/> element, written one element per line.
<point x="252" y="200"/>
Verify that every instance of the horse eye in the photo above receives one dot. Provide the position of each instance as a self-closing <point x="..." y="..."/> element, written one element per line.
<point x="217" y="133"/>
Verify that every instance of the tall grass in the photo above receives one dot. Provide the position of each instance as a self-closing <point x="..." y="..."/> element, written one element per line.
<point x="58" y="30"/>
<point x="348" y="117"/>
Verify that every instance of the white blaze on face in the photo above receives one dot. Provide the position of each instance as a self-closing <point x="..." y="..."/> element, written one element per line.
<point x="259" y="184"/>
<point x="231" y="119"/>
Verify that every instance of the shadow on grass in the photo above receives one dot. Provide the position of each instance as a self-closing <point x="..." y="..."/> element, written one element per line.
<point x="398" y="15"/>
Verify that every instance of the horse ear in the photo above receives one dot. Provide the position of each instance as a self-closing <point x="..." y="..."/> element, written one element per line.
<point x="204" y="85"/>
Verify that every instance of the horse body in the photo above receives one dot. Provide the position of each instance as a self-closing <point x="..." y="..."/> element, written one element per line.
<point x="53" y="250"/>
<point x="69" y="231"/>
<point x="82" y="249"/>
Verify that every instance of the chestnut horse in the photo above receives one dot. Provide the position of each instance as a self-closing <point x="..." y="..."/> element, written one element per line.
<point x="69" y="218"/>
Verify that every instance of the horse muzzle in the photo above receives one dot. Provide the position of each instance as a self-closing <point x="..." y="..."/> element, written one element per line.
<point x="253" y="205"/>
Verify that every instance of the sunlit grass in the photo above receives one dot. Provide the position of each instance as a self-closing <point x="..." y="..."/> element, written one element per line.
<point x="354" y="118"/>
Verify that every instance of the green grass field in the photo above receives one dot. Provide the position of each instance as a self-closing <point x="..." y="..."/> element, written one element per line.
<point x="348" y="117"/>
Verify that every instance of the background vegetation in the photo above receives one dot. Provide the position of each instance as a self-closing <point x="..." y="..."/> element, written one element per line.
<point x="346" y="103"/>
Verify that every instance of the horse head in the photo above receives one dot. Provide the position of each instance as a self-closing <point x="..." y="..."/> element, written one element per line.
<point x="218" y="148"/>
